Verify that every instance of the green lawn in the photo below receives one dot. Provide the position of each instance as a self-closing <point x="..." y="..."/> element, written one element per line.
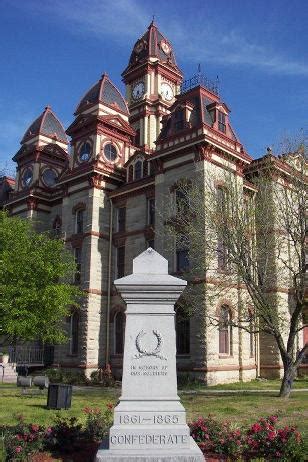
<point x="241" y="408"/>
<point x="252" y="385"/>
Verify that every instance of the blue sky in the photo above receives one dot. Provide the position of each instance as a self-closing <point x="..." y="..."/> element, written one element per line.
<point x="53" y="51"/>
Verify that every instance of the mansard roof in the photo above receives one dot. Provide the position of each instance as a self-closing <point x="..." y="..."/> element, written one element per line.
<point x="201" y="102"/>
<point x="105" y="92"/>
<point x="46" y="124"/>
<point x="152" y="44"/>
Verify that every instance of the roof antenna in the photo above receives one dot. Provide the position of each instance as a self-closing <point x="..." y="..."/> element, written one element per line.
<point x="199" y="68"/>
<point x="217" y="84"/>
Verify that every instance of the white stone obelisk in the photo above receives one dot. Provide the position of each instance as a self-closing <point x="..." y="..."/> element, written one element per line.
<point x="149" y="421"/>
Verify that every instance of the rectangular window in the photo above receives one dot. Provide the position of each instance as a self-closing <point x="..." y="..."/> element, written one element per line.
<point x="221" y="122"/>
<point x="182" y="336"/>
<point x="74" y="332"/>
<point x="78" y="265"/>
<point x="251" y="337"/>
<point x="121" y="219"/>
<point x="182" y="201"/>
<point x="121" y="261"/>
<point x="222" y="255"/>
<point x="151" y="211"/>
<point x="182" y="260"/>
<point x="179" y="120"/>
<point x="79" y="221"/>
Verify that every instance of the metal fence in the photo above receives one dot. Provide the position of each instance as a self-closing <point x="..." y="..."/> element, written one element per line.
<point x="26" y="355"/>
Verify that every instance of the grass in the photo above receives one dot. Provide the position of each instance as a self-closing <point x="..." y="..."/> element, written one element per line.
<point x="242" y="408"/>
<point x="252" y="385"/>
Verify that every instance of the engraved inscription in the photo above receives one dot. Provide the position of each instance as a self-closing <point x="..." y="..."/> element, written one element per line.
<point x="148" y="439"/>
<point x="154" y="419"/>
<point x="148" y="370"/>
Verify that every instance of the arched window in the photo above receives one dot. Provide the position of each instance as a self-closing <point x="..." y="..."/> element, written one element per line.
<point x="74" y="332"/>
<point x="119" y="326"/>
<point x="182" y="328"/>
<point x="225" y="331"/>
<point x="138" y="170"/>
<point x="79" y="221"/>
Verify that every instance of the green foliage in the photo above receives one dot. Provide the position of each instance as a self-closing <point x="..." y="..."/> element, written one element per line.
<point x="98" y="422"/>
<point x="34" y="293"/>
<point x="69" y="377"/>
<point x="66" y="433"/>
<point x="102" y="377"/>
<point x="23" y="440"/>
<point x="263" y="438"/>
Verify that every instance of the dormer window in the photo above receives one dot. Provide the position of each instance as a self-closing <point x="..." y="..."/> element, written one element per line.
<point x="179" y="119"/>
<point x="221" y="122"/>
<point x="138" y="170"/>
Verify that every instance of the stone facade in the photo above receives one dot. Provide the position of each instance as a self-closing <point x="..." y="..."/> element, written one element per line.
<point x="107" y="200"/>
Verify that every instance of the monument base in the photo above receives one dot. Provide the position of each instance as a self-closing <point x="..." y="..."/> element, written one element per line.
<point x="192" y="454"/>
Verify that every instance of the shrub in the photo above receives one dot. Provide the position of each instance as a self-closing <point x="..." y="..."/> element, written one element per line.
<point x="265" y="439"/>
<point x="103" y="377"/>
<point x="59" y="375"/>
<point x="98" y="422"/>
<point x="262" y="439"/>
<point x="23" y="440"/>
<point x="215" y="437"/>
<point x="66" y="433"/>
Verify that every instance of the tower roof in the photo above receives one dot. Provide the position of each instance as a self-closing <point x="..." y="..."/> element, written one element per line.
<point x="104" y="91"/>
<point x="46" y="124"/>
<point x="153" y="44"/>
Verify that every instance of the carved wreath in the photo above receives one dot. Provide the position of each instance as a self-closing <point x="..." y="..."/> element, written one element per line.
<point x="143" y="352"/>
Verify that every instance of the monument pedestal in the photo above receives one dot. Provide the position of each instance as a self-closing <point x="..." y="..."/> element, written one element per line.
<point x="150" y="421"/>
<point x="190" y="454"/>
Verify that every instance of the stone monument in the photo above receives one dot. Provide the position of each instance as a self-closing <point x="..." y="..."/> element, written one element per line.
<point x="149" y="420"/>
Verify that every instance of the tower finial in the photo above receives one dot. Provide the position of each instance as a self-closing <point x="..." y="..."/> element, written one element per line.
<point x="153" y="20"/>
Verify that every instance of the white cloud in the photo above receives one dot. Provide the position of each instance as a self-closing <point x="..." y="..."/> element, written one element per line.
<point x="194" y="39"/>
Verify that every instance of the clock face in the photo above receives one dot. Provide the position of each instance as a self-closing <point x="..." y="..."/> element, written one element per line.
<point x="138" y="90"/>
<point x="166" y="91"/>
<point x="139" y="47"/>
<point x="165" y="47"/>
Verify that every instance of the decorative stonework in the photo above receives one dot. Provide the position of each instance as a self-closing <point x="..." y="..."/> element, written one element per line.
<point x="143" y="351"/>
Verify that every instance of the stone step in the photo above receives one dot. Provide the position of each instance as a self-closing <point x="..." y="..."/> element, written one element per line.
<point x="8" y="373"/>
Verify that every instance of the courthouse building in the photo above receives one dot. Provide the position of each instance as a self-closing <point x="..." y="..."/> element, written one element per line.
<point x="104" y="192"/>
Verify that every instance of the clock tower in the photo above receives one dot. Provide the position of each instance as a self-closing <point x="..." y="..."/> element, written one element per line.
<point x="152" y="80"/>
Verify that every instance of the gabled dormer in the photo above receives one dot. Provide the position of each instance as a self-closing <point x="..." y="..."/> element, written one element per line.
<point x="138" y="166"/>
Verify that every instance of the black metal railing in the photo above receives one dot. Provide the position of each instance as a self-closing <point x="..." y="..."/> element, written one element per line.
<point x="200" y="79"/>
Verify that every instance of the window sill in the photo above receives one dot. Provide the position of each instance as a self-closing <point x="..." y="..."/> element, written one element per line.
<point x="72" y="355"/>
<point x="224" y="356"/>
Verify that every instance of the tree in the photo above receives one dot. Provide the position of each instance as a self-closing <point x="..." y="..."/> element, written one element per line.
<point x="35" y="294"/>
<point x="255" y="239"/>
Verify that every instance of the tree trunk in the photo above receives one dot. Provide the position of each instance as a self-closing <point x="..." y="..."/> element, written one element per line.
<point x="289" y="375"/>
